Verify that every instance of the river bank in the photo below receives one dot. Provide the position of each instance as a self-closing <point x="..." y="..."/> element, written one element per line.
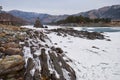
<point x="91" y="24"/>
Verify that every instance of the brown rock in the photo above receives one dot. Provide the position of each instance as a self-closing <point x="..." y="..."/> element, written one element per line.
<point x="11" y="64"/>
<point x="59" y="50"/>
<point x="13" y="51"/>
<point x="2" y="49"/>
<point x="10" y="44"/>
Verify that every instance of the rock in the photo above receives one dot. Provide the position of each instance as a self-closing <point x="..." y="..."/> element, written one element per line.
<point x="13" y="51"/>
<point x="45" y="73"/>
<point x="2" y="49"/>
<point x="10" y="45"/>
<point x="68" y="68"/>
<point x="36" y="75"/>
<point x="2" y="34"/>
<point x="76" y="33"/>
<point x="46" y="27"/>
<point x="11" y="64"/>
<point x="30" y="65"/>
<point x="55" y="43"/>
<point x="57" y="66"/>
<point x="108" y="39"/>
<point x="95" y="47"/>
<point x="2" y="55"/>
<point x="59" y="50"/>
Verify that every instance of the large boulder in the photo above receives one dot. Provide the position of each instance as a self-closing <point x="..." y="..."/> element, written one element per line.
<point x="10" y="44"/>
<point x="11" y="64"/>
<point x="13" y="51"/>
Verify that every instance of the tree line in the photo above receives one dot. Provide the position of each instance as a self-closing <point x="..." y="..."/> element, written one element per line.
<point x="81" y="19"/>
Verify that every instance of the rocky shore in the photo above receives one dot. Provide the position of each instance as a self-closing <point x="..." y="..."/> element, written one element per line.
<point x="11" y="55"/>
<point x="91" y="24"/>
<point x="27" y="54"/>
<point x="81" y="34"/>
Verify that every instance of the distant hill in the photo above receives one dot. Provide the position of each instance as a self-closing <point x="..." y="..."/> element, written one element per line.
<point x="31" y="16"/>
<point x="10" y="19"/>
<point x="112" y="12"/>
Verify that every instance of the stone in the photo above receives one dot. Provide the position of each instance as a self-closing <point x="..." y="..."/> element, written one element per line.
<point x="11" y="64"/>
<point x="10" y="44"/>
<point x="45" y="73"/>
<point x="13" y="51"/>
<point x="36" y="75"/>
<point x="46" y="27"/>
<point x="2" y="49"/>
<point x="59" y="50"/>
<point x="30" y="65"/>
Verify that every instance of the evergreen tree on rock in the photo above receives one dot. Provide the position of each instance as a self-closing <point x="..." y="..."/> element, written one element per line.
<point x="38" y="23"/>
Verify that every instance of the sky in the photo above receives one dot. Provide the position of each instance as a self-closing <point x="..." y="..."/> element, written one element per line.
<point x="56" y="7"/>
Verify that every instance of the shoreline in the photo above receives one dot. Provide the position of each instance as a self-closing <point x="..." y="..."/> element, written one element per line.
<point x="89" y="25"/>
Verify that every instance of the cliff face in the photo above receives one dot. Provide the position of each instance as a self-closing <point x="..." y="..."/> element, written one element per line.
<point x="32" y="56"/>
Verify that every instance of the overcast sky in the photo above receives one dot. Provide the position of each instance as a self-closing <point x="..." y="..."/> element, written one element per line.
<point x="56" y="6"/>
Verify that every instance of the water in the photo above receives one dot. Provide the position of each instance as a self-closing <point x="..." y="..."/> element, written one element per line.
<point x="102" y="29"/>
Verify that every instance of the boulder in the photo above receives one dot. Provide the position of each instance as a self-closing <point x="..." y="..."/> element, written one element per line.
<point x="11" y="64"/>
<point x="59" y="50"/>
<point x="2" y="49"/>
<point x="10" y="44"/>
<point x="13" y="51"/>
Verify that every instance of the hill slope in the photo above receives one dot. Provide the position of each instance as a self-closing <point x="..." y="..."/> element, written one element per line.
<point x="112" y="12"/>
<point x="31" y="16"/>
<point x="14" y="20"/>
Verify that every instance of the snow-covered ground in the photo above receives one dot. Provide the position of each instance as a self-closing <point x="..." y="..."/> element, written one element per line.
<point x="92" y="59"/>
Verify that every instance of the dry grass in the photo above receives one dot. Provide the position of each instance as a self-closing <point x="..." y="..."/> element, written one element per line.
<point x="10" y="27"/>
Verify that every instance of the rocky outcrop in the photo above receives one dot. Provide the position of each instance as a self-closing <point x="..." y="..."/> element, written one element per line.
<point x="44" y="61"/>
<point x="30" y="55"/>
<point x="82" y="34"/>
<point x="11" y="65"/>
<point x="11" y="56"/>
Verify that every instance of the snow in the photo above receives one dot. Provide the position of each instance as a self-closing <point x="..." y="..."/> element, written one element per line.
<point x="89" y="63"/>
<point x="27" y="54"/>
<point x="32" y="71"/>
<point x="66" y="74"/>
<point x="101" y="63"/>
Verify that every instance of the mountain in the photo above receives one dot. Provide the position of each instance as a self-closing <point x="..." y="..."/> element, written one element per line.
<point x="31" y="16"/>
<point x="7" y="18"/>
<point x="112" y="12"/>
